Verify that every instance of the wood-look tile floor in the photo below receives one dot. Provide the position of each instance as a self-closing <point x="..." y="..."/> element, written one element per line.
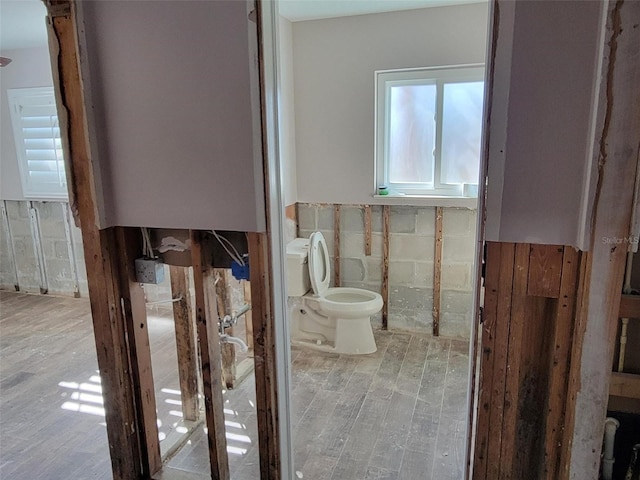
<point x="396" y="414"/>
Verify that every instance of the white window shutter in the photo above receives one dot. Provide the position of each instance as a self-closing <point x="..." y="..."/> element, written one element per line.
<point x="38" y="145"/>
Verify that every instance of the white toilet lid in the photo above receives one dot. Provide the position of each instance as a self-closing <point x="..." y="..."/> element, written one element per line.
<point x="319" y="268"/>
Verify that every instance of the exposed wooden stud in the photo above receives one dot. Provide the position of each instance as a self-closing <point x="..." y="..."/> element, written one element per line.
<point x="514" y="355"/>
<point x="10" y="245"/>
<point x="184" y="323"/>
<point x="135" y="314"/>
<point x="100" y="250"/>
<point x="563" y="327"/>
<point x="367" y="230"/>
<point x="625" y="385"/>
<point x="71" y="250"/>
<point x="336" y="245"/>
<point x="246" y="287"/>
<point x="385" y="266"/>
<point x="499" y="370"/>
<point x="209" y="341"/>
<point x="264" y="357"/>
<point x="617" y="146"/>
<point x="629" y="306"/>
<point x="34" y="224"/>
<point x="574" y="374"/>
<point x="223" y="302"/>
<point x="545" y="268"/>
<point x="490" y="311"/>
<point x="437" y="272"/>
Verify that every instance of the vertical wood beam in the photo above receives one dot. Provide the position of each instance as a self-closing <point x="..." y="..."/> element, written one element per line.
<point x="499" y="370"/>
<point x="617" y="143"/>
<point x="224" y="308"/>
<point x="385" y="266"/>
<point x="135" y="314"/>
<point x="101" y="252"/>
<point x="514" y="357"/>
<point x="565" y="309"/>
<point x="437" y="272"/>
<point x="490" y="314"/>
<point x="367" y="230"/>
<point x="336" y="245"/>
<point x="185" y="328"/>
<point x="264" y="357"/>
<point x="248" y="317"/>
<point x="10" y="245"/>
<point x="209" y="341"/>
<point x="34" y="225"/>
<point x="545" y="269"/>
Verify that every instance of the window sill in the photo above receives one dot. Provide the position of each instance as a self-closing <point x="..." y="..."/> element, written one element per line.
<point x="426" y="201"/>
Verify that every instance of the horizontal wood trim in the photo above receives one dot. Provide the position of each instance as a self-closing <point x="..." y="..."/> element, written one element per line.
<point x="625" y="385"/>
<point x="629" y="306"/>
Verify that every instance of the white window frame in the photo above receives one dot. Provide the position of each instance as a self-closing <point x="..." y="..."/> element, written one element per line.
<point x="44" y="98"/>
<point x="384" y="80"/>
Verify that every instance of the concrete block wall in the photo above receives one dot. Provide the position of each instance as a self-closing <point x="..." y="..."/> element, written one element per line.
<point x="65" y="271"/>
<point x="411" y="261"/>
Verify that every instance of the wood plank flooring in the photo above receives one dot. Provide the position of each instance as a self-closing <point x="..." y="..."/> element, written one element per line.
<point x="396" y="414"/>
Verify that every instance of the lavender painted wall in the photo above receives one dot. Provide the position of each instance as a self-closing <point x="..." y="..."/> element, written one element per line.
<point x="539" y="168"/>
<point x="173" y="99"/>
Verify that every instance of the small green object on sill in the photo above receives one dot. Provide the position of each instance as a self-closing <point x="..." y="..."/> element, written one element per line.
<point x="382" y="190"/>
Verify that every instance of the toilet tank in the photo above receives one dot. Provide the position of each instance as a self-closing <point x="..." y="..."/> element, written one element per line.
<point x="297" y="267"/>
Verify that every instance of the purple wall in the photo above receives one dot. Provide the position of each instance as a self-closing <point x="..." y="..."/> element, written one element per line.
<point x="542" y="160"/>
<point x="171" y="94"/>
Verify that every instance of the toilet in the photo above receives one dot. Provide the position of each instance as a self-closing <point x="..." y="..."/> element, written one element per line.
<point x="329" y="319"/>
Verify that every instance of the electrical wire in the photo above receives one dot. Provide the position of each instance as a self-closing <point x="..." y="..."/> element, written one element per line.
<point x="234" y="255"/>
<point x="147" y="249"/>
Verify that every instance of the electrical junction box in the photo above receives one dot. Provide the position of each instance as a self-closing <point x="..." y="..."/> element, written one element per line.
<point x="240" y="272"/>
<point x="149" y="270"/>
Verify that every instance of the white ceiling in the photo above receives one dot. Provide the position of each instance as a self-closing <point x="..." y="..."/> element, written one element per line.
<point x="22" y="22"/>
<point x="299" y="10"/>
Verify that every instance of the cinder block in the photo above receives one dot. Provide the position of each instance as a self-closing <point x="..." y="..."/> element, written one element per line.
<point x="352" y="244"/>
<point x="351" y="219"/>
<point x="402" y="319"/>
<point x="424" y="274"/>
<point x="458" y="222"/>
<point x="305" y="233"/>
<point x="20" y="226"/>
<point x="456" y="276"/>
<point x="376" y="218"/>
<point x="424" y="320"/>
<point x="459" y="249"/>
<point x="374" y="270"/>
<point x="402" y="219"/>
<point x="426" y="221"/>
<point x="455" y="326"/>
<point x="376" y="245"/>
<point x="410" y="297"/>
<point x="328" y="236"/>
<point x="402" y="273"/>
<point x="325" y="217"/>
<point x="306" y="217"/>
<point x="60" y="249"/>
<point x="351" y="270"/>
<point x="411" y="247"/>
<point x="454" y="302"/>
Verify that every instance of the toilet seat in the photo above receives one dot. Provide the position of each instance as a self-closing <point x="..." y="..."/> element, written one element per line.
<point x="319" y="268"/>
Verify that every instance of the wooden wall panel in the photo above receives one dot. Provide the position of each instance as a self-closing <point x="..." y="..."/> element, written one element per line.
<point x="526" y="342"/>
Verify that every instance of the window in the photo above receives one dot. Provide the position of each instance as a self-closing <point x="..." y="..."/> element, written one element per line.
<point x="38" y="146"/>
<point x="428" y="129"/>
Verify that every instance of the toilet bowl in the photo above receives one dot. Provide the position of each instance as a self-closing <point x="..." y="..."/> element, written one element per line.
<point x="330" y="319"/>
